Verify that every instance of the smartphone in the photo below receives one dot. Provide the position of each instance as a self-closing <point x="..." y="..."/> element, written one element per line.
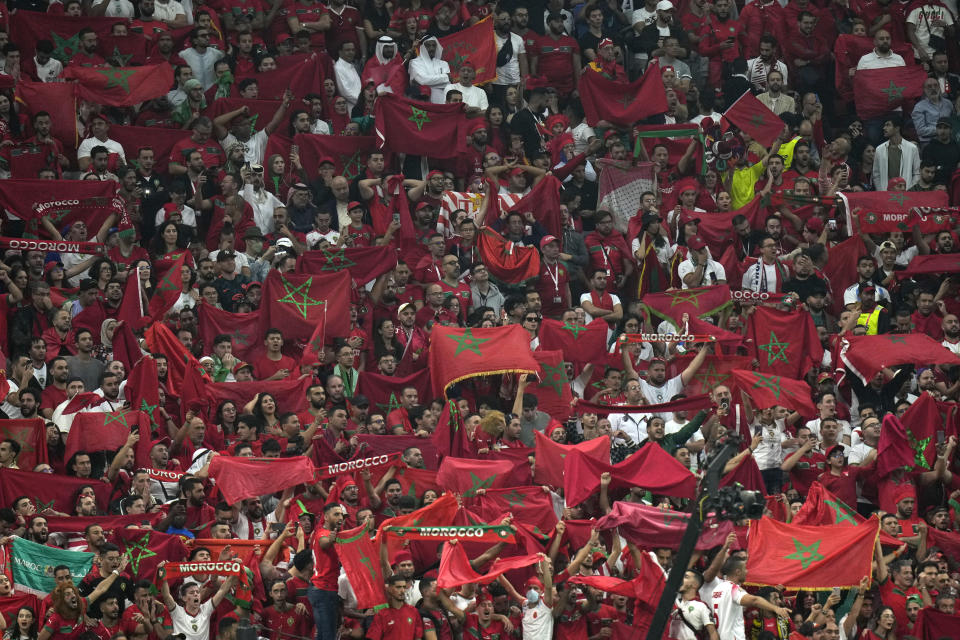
<point x="836" y="591"/>
<point x="277" y="527"/>
<point x="396" y="218"/>
<point x="940" y="436"/>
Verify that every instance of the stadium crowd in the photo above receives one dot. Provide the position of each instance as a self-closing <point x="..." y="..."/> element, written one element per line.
<point x="160" y="409"/>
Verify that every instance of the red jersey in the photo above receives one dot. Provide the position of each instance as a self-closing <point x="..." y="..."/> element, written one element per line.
<point x="307" y="12"/>
<point x="493" y="631"/>
<point x="326" y="563"/>
<point x="461" y="292"/>
<point x="264" y="367"/>
<point x="808" y="469"/>
<point x="555" y="60"/>
<point x="343" y="28"/>
<point x="403" y="623"/>
<point x="284" y="624"/>
<point x="553" y="288"/>
<point x="210" y="150"/>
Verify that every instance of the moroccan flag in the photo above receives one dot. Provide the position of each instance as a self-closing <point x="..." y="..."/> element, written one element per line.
<point x="34" y="199"/>
<point x="415" y="482"/>
<point x="579" y="343"/>
<point x="676" y="137"/>
<point x="696" y="303"/>
<point x="947" y="541"/>
<point x="746" y="473"/>
<point x="552" y="388"/>
<point x="529" y="505"/>
<point x="455" y="568"/>
<point x="646" y="588"/>
<point x="841" y="269"/>
<point x="303" y="77"/>
<point x="934" y="263"/>
<point x="383" y="392"/>
<point x="475" y="44"/>
<point x="821" y="507"/>
<point x="714" y="371"/>
<point x="910" y="442"/>
<point x="646" y="526"/>
<point x="94" y="211"/>
<point x="880" y="91"/>
<point x="411" y="126"/>
<point x="457" y="354"/>
<point x="507" y="261"/>
<point x="450" y="436"/>
<point x="143" y="391"/>
<point x="785" y="343"/>
<point x="349" y="153"/>
<point x="243" y="329"/>
<point x="884" y="211"/>
<point x="768" y="390"/>
<point x="124" y="51"/>
<point x="122" y="86"/>
<point x="622" y="103"/>
<point x="934" y="625"/>
<point x="168" y="289"/>
<point x="239" y="478"/>
<point x="755" y="119"/>
<point x="440" y="512"/>
<point x="161" y="141"/>
<point x="866" y="355"/>
<point x="551" y="457"/>
<point x="360" y="558"/>
<point x="362" y="263"/>
<point x="651" y="468"/>
<point x="103" y="431"/>
<point x="59" y="99"/>
<point x="543" y="201"/>
<point x="373" y="445"/>
<point x="32" y="436"/>
<point x="847" y="51"/>
<point x="465" y="476"/>
<point x="32" y="565"/>
<point x="146" y="549"/>
<point x="160" y="339"/>
<point x="291" y="394"/>
<point x="63" y="31"/>
<point x="60" y="524"/>
<point x="313" y="351"/>
<point x="49" y="491"/>
<point x="816" y="558"/>
<point x="295" y="303"/>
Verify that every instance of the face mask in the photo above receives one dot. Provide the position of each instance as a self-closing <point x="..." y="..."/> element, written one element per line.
<point x="533" y="597"/>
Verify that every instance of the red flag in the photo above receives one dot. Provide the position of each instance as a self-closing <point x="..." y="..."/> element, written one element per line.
<point x="746" y="473"/>
<point x="755" y="119"/>
<point x="768" y="390"/>
<point x="880" y="91"/>
<point x="243" y="329"/>
<point x="579" y="344"/>
<point x="507" y="261"/>
<point x="372" y="445"/>
<point x="884" y="211"/>
<point x="63" y="31"/>
<point x="651" y="468"/>
<point x="34" y="199"/>
<point x="133" y="308"/>
<point x="383" y="391"/>
<point x="529" y="505"/>
<point x="291" y="394"/>
<point x="457" y="354"/>
<point x="450" y="436"/>
<point x="160" y="140"/>
<point x="101" y="431"/>
<point x="544" y="202"/>
<point x="937" y="263"/>
<point x="239" y="478"/>
<point x="947" y="541"/>
<point x="161" y="340"/>
<point x="847" y="51"/>
<point x="934" y="625"/>
<point x="60" y="524"/>
<point x="362" y="263"/>
<point x="415" y="126"/>
<point x="910" y="442"/>
<point x="349" y="153"/>
<point x="48" y="491"/>
<point x="465" y="476"/>
<point x="821" y="507"/>
<point x="716" y="227"/>
<point x="646" y="588"/>
<point x="32" y="436"/>
<point x="622" y="103"/>
<point x="81" y="401"/>
<point x="698" y="302"/>
<point x="785" y="343"/>
<point x="551" y="455"/>
<point x="809" y="557"/>
<point x="301" y="77"/>
<point x="59" y="99"/>
<point x="865" y="356"/>
<point x="123" y="51"/>
<point x="714" y="371"/>
<point x="122" y="86"/>
<point x="360" y="558"/>
<point x="440" y="512"/>
<point x="295" y="303"/>
<point x="646" y="526"/>
<point x="143" y="391"/>
<point x="476" y="45"/>
<point x="147" y="549"/>
<point x="455" y="569"/>
<point x="841" y="269"/>
<point x="692" y="403"/>
<point x="553" y="388"/>
<point x="168" y="289"/>
<point x="313" y="354"/>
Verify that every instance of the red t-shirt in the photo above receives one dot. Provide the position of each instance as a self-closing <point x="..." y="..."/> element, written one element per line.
<point x="210" y="150"/>
<point x="403" y="623"/>
<point x="552" y="286"/>
<point x="493" y="631"/>
<point x="896" y="599"/>
<point x="807" y="470"/>
<point x="284" y="624"/>
<point x="326" y="563"/>
<point x="264" y="367"/>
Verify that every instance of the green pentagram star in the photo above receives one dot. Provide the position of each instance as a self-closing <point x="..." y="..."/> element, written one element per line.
<point x="768" y="382"/>
<point x="43" y="506"/>
<point x="669" y="517"/>
<point x="121" y="58"/>
<point x="148" y="409"/>
<point x="807" y="555"/>
<point x="64" y="48"/>
<point x="554" y="377"/>
<point x="467" y="342"/>
<point x="919" y="449"/>
<point x="897" y="339"/>
<point x="515" y="499"/>
<point x="117" y="78"/>
<point x="893" y="92"/>
<point x="477" y="483"/>
<point x="240" y="338"/>
<point x="116" y="416"/>
<point x="420" y="117"/>
<point x="369" y="565"/>
<point x="843" y="513"/>
<point x="899" y="197"/>
<point x="167" y="284"/>
<point x="758" y="120"/>
<point x="575" y="329"/>
<point x="775" y="349"/>
<point x="626" y="101"/>
<point x="390" y="405"/>
<point x="305" y="300"/>
<point x="138" y="551"/>
<point x="23" y="436"/>
<point x="689" y="296"/>
<point x="352" y="166"/>
<point x="336" y="260"/>
<point x="709" y="377"/>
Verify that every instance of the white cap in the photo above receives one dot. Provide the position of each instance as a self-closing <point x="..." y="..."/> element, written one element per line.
<point x="664" y="5"/>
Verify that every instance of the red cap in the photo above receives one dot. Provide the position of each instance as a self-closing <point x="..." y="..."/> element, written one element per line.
<point x="533" y="582"/>
<point x="422" y="205"/>
<point x="326" y="159"/>
<point x="435" y="172"/>
<point x="815" y="224"/>
<point x="354" y="205"/>
<point x="477" y="125"/>
<point x="545" y="240"/>
<point x="687" y="217"/>
<point x="892" y="182"/>
<point x="552" y="426"/>
<point x="516" y="171"/>
<point x="696" y="243"/>
<point x="484" y="596"/>
<point x="903" y="492"/>
<point x="402" y="556"/>
<point x="687" y="184"/>
<point x="834" y="449"/>
<point x="606" y="42"/>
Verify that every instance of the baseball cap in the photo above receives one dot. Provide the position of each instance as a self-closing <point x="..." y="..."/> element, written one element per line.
<point x="354" y="205"/>
<point x="252" y="233"/>
<point x="944" y="122"/>
<point x="664" y="5"/>
<point x="226" y="255"/>
<point x="696" y="243"/>
<point x="545" y="240"/>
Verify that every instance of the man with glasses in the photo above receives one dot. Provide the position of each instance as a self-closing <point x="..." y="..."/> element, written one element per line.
<point x="202" y="57"/>
<point x="768" y="274"/>
<point x="451" y="285"/>
<point x="430" y="267"/>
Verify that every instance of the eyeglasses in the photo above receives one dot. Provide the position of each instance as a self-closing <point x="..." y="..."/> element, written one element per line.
<point x="532" y="319"/>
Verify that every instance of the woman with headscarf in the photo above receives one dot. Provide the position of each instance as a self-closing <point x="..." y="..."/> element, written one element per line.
<point x="104" y="351"/>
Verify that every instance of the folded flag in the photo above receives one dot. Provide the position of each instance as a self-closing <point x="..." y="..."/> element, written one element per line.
<point x="622" y="103"/>
<point x="808" y="557"/>
<point x="239" y="478"/>
<point x="122" y="86"/>
<point x="549" y="467"/>
<point x="754" y="118"/>
<point x="360" y="558"/>
<point x="455" y="569"/>
<point x="865" y="356"/>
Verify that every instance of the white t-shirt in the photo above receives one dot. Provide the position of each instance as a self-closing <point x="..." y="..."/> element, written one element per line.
<point x="256" y="146"/>
<point x="117" y="8"/>
<point x="658" y="395"/>
<point x="586" y="298"/>
<point x="712" y="267"/>
<point x="510" y="72"/>
<point x="724" y="599"/>
<point x="923" y="18"/>
<point x="83" y="151"/>
<point x="694" y="612"/>
<point x="193" y="627"/>
<point x="769" y="454"/>
<point x="537" y="622"/>
<point x="168" y="11"/>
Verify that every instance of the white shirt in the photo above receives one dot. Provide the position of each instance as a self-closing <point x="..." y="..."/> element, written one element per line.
<point x="192" y="627"/>
<point x="472" y="96"/>
<point x="694" y="612"/>
<point x="712" y="267"/>
<point x="348" y="81"/>
<point x="873" y="60"/>
<point x="240" y="259"/>
<point x="50" y="71"/>
<point x="256" y="146"/>
<point x="83" y="151"/>
<point x="586" y="298"/>
<point x="537" y="622"/>
<point x="117" y="8"/>
<point x="723" y="598"/>
<point x="771" y="272"/>
<point x="643" y="16"/>
<point x="320" y="127"/>
<point x="582" y="133"/>
<point x="510" y="72"/>
<point x="263" y="203"/>
<point x="168" y="11"/>
<point x="858" y="452"/>
<point x="313" y="237"/>
<point x="851" y="294"/>
<point x="188" y="215"/>
<point x="202" y="63"/>
<point x="633" y="424"/>
<point x="923" y="18"/>
<point x="954" y="347"/>
<point x="658" y="395"/>
<point x="814" y="426"/>
<point x="769" y="454"/>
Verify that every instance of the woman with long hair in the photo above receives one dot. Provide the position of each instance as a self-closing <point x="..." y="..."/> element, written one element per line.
<point x="264" y="407"/>
<point x="492" y="427"/>
<point x="497" y="135"/>
<point x="385" y="342"/>
<point x="226" y="419"/>
<point x="69" y="618"/>
<point x="24" y="627"/>
<point x="168" y="240"/>
<point x="103" y="271"/>
<point x="280" y="178"/>
<point x="883" y="626"/>
<point x="13" y="124"/>
<point x="652" y="251"/>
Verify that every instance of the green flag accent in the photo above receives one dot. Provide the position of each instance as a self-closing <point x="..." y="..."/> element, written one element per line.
<point x="32" y="565"/>
<point x="806" y="554"/>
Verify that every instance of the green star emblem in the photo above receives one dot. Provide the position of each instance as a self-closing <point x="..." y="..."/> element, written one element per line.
<point x="897" y="339"/>
<point x="43" y="506"/>
<point x="688" y="296"/>
<point x="148" y="409"/>
<point x="352" y="166"/>
<point x="303" y="291"/>
<point x="391" y="403"/>
<point x="515" y="499"/>
<point x="365" y="560"/>
<point x="120" y="58"/>
<point x="768" y="382"/>
<point x="467" y="342"/>
<point x="776" y="350"/>
<point x="554" y="377"/>
<point x="758" y="120"/>
<point x="669" y="517"/>
<point x="23" y="436"/>
<point x="893" y="92"/>
<point x="167" y="284"/>
<point x="899" y="197"/>
<point x="625" y="101"/>
<point x="336" y="260"/>
<point x="240" y="338"/>
<point x="807" y="555"/>
<point x="575" y="329"/>
<point x="420" y="117"/>
<point x="65" y="48"/>
<point x="116" y="416"/>
<point x="709" y="377"/>
<point x="919" y="449"/>
<point x="871" y="217"/>
<point x="843" y="513"/>
<point x="137" y="551"/>
<point x="476" y="483"/>
<point x="117" y="78"/>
